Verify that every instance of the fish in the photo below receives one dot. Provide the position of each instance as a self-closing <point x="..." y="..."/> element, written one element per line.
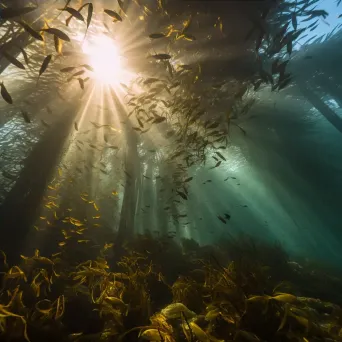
<point x="159" y="119"/>
<point x="294" y="20"/>
<point x="121" y="5"/>
<point x="67" y="69"/>
<point x="56" y="32"/>
<point x="30" y="30"/>
<point x="113" y="14"/>
<point x="44" y="66"/>
<point x="157" y="35"/>
<point x="81" y="82"/>
<point x="88" y="67"/>
<point x="13" y="60"/>
<point x="216" y="165"/>
<point x="161" y="56"/>
<point x="5" y="94"/>
<point x="182" y="194"/>
<point x="78" y="73"/>
<point x="89" y="16"/>
<point x="24" y="55"/>
<point x="73" y="12"/>
<point x="222" y="219"/>
<point x="25" y="116"/>
<point x="221" y="156"/>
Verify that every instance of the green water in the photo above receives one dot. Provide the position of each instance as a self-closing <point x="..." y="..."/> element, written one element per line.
<point x="170" y="171"/>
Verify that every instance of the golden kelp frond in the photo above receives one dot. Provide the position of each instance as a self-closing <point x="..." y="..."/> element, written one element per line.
<point x="176" y="310"/>
<point x="209" y="302"/>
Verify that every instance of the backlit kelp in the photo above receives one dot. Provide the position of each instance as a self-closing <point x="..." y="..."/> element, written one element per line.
<point x="124" y="295"/>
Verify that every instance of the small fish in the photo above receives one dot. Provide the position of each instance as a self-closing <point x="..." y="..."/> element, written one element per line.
<point x="73" y="12"/>
<point x="24" y="55"/>
<point x="140" y="123"/>
<point x="44" y="66"/>
<point x="113" y="14"/>
<point x="81" y="82"/>
<point x="182" y="194"/>
<point x="31" y="31"/>
<point x="76" y="126"/>
<point x="159" y="119"/>
<point x="13" y="60"/>
<point x="60" y="34"/>
<point x="121" y="5"/>
<point x="222" y="219"/>
<point x="88" y="67"/>
<point x="68" y="69"/>
<point x="25" y="116"/>
<point x="90" y="14"/>
<point x="188" y="179"/>
<point x="5" y="94"/>
<point x="221" y="156"/>
<point x="216" y="165"/>
<point x="227" y="216"/>
<point x="157" y="35"/>
<point x="78" y="73"/>
<point x="162" y="56"/>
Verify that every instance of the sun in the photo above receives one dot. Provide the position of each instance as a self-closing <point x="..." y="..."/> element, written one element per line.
<point x="105" y="58"/>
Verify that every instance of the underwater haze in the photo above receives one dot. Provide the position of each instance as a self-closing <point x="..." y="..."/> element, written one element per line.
<point x="171" y="170"/>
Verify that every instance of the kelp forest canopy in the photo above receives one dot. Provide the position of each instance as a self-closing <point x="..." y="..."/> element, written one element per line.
<point x="170" y="171"/>
<point x="134" y="117"/>
<point x="122" y="115"/>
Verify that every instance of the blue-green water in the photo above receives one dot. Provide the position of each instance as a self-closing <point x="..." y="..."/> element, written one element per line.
<point x="171" y="152"/>
<point x="281" y="181"/>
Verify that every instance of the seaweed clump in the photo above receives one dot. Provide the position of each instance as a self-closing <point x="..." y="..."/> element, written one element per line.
<point x="238" y="291"/>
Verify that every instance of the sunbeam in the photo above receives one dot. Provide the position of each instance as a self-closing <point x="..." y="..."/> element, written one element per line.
<point x="106" y="60"/>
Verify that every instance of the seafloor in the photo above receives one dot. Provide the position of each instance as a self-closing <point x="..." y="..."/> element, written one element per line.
<point x="156" y="290"/>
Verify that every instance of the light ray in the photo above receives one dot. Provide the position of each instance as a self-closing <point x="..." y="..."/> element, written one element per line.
<point x="105" y="57"/>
